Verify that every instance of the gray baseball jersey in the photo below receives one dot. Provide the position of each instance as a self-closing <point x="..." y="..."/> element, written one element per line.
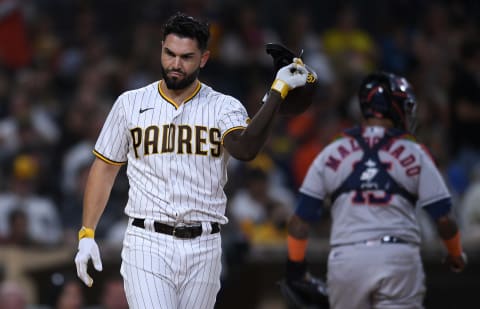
<point x="383" y="189"/>
<point x="377" y="214"/>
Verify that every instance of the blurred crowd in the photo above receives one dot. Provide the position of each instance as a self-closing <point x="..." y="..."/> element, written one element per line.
<point x="63" y="63"/>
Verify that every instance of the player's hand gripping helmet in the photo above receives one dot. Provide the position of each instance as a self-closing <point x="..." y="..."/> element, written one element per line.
<point x="386" y="95"/>
<point x="299" y="99"/>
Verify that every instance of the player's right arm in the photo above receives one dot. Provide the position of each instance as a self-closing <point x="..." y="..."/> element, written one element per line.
<point x="99" y="185"/>
<point x="435" y="199"/>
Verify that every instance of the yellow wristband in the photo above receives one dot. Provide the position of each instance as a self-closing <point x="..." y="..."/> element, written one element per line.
<point x="281" y="87"/>
<point x="85" y="232"/>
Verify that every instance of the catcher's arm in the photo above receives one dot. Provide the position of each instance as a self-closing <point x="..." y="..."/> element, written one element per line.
<point x="308" y="211"/>
<point x="298" y="231"/>
<point x="301" y="289"/>
<point x="447" y="229"/>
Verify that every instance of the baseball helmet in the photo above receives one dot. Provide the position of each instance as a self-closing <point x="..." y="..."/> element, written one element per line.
<point x="386" y="95"/>
<point x="299" y="99"/>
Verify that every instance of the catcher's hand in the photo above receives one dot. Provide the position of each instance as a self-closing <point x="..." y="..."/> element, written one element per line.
<point x="456" y="263"/>
<point x="308" y="292"/>
<point x="87" y="249"/>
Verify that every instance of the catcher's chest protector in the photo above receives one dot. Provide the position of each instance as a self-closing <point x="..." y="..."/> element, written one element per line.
<point x="370" y="173"/>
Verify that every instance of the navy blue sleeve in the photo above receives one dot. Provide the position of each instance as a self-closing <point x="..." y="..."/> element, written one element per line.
<point x="439" y="208"/>
<point x="309" y="209"/>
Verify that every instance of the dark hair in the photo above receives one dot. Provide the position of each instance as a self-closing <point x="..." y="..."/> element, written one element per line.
<point x="188" y="27"/>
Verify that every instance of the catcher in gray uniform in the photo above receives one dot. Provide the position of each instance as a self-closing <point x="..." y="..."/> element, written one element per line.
<point x="374" y="175"/>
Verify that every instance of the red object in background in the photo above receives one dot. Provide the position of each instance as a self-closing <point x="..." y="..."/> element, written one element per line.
<point x="302" y="129"/>
<point x="302" y="159"/>
<point x="15" y="50"/>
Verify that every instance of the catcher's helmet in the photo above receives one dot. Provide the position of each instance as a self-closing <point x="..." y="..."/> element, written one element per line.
<point x="386" y="95"/>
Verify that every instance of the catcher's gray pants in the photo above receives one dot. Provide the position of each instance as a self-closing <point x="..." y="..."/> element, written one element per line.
<point x="376" y="276"/>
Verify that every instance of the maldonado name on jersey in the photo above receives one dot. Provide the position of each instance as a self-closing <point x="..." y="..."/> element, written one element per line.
<point x="181" y="139"/>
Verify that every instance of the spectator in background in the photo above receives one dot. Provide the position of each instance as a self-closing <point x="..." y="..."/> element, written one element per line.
<point x="301" y="37"/>
<point x="67" y="292"/>
<point x="469" y="211"/>
<point x="15" y="50"/>
<point x="395" y="44"/>
<point x="465" y="109"/>
<point x="18" y="230"/>
<point x="12" y="296"/>
<point x="261" y="210"/>
<point x="352" y="50"/>
<point x="312" y="131"/>
<point x="44" y="223"/>
<point x="244" y="41"/>
<point x="71" y="210"/>
<point x="26" y="127"/>
<point x="90" y="121"/>
<point x="113" y="294"/>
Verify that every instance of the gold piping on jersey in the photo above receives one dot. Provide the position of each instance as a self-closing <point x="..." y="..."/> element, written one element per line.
<point x="163" y="95"/>
<point x="232" y="129"/>
<point x="101" y="157"/>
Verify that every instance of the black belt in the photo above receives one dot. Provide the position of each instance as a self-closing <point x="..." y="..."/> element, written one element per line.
<point x="383" y="240"/>
<point x="177" y="231"/>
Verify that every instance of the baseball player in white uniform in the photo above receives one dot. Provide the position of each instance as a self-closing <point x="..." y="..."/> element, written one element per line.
<point x="176" y="136"/>
<point x="375" y="176"/>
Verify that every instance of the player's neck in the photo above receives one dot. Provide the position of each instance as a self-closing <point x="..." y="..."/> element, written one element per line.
<point x="180" y="95"/>
<point x="380" y="122"/>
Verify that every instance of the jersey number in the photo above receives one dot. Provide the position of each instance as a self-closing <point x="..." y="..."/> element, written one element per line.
<point x="371" y="198"/>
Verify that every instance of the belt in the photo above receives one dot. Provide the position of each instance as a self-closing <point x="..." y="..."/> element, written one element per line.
<point x="184" y="232"/>
<point x="378" y="241"/>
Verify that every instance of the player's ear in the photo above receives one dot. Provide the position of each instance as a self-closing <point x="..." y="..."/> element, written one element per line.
<point x="204" y="59"/>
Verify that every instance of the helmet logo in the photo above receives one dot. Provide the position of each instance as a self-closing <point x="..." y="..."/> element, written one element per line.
<point x="311" y="78"/>
<point x="378" y="89"/>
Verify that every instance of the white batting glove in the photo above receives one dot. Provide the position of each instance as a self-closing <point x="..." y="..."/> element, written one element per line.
<point x="87" y="249"/>
<point x="289" y="77"/>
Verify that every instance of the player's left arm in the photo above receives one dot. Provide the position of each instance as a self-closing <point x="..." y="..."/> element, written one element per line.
<point x="246" y="144"/>
<point x="309" y="210"/>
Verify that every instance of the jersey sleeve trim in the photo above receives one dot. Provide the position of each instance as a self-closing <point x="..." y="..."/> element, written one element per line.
<point x="439" y="208"/>
<point x="310" y="193"/>
<point x="191" y="96"/>
<point x="103" y="158"/>
<point x="231" y="130"/>
<point x="309" y="209"/>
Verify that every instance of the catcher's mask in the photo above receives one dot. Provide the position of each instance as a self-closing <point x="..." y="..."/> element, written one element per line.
<point x="386" y="95"/>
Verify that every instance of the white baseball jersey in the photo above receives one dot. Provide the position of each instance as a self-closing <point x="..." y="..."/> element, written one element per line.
<point x="373" y="213"/>
<point x="176" y="160"/>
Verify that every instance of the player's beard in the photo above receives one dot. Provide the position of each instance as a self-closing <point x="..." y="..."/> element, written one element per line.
<point x="176" y="83"/>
